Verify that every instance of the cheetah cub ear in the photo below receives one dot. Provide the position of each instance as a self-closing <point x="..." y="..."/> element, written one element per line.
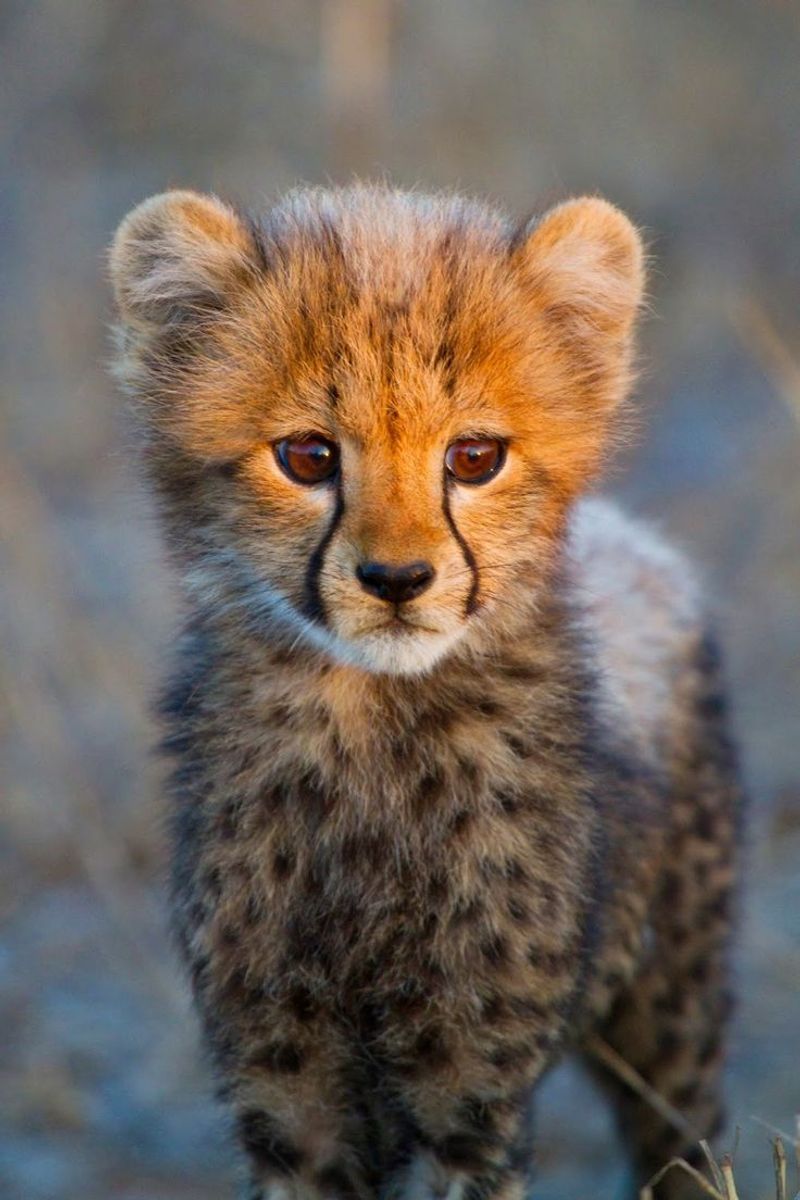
<point x="583" y="268"/>
<point x="176" y="258"/>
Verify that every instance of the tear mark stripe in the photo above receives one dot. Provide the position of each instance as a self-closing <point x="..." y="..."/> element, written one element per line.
<point x="469" y="558"/>
<point x="313" y="607"/>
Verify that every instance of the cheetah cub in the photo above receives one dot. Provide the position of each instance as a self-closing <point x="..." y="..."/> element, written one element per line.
<point x="453" y="789"/>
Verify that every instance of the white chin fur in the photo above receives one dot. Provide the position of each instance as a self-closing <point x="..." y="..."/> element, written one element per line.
<point x="409" y="654"/>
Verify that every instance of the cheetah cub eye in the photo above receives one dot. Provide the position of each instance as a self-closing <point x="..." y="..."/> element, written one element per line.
<point x="310" y="459"/>
<point x="475" y="460"/>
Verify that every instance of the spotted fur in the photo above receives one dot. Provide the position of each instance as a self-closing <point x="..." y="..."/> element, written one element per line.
<point x="422" y="850"/>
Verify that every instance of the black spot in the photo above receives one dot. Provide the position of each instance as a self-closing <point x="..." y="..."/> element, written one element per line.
<point x="227" y="470"/>
<point x="228" y="824"/>
<point x="311" y="793"/>
<point x="304" y="945"/>
<point x="261" y="1140"/>
<point x="281" y="714"/>
<point x="432" y="1048"/>
<point x="437" y="886"/>
<point x="511" y="1055"/>
<point x="437" y="718"/>
<point x="495" y="950"/>
<point x="239" y="990"/>
<point x="672" y="1001"/>
<point x="213" y="882"/>
<point x="709" y="1049"/>
<point x="680" y="934"/>
<point x="431" y="969"/>
<point x="430" y="786"/>
<point x="273" y="798"/>
<point x="704" y="824"/>
<point x="515" y="871"/>
<point x="461" y="820"/>
<point x="493" y="1009"/>
<point x="283" y="863"/>
<point x="402" y="749"/>
<point x="283" y="1057"/>
<point x="469" y="769"/>
<point x="528" y="1007"/>
<point x="702" y="870"/>
<point x="515" y="744"/>
<point x="444" y="359"/>
<point x="429" y="925"/>
<point x="334" y="395"/>
<point x="525" y="672"/>
<point x="476" y="1113"/>
<point x="669" y="1045"/>
<point x="335" y="1180"/>
<point x="545" y="1040"/>
<point x="517" y="910"/>
<point x="549" y="898"/>
<point x="536" y="956"/>
<point x="199" y="970"/>
<point x="365" y="848"/>
<point x="614" y="980"/>
<point x="700" y="971"/>
<point x="464" y="1151"/>
<point x="467" y="911"/>
<point x="717" y="907"/>
<point x="302" y="1003"/>
<point x="410" y="998"/>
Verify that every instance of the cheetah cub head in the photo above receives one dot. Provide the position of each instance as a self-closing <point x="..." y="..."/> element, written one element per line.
<point x="366" y="414"/>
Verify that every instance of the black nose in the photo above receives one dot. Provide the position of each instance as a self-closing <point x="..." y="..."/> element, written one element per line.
<point x="395" y="584"/>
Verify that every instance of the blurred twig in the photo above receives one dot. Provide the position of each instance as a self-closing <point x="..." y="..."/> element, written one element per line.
<point x="618" y="1066"/>
<point x="355" y="47"/>
<point x="758" y="334"/>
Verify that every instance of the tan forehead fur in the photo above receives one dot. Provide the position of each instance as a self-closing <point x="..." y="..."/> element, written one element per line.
<point x="382" y="315"/>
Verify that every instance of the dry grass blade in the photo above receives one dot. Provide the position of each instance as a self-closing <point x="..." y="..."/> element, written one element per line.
<point x="681" y="1164"/>
<point x="615" y="1063"/>
<point x="713" y="1165"/>
<point x="759" y="335"/>
<point x="793" y="1140"/>
<point x="780" y="1169"/>
<point x="726" y="1166"/>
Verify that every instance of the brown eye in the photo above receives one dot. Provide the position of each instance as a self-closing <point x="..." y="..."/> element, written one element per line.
<point x="310" y="459"/>
<point x="474" y="460"/>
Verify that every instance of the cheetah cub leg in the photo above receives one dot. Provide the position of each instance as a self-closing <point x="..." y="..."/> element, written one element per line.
<point x="471" y="1148"/>
<point x="670" y="1023"/>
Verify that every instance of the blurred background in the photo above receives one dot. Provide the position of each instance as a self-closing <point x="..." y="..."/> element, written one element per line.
<point x="687" y="114"/>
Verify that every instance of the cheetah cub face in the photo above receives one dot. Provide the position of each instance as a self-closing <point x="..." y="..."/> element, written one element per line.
<point x="367" y="413"/>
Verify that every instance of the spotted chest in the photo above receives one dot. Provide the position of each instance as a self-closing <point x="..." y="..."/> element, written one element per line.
<point x="444" y="864"/>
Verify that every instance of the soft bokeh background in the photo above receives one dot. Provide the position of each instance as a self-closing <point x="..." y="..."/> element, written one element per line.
<point x="685" y="112"/>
